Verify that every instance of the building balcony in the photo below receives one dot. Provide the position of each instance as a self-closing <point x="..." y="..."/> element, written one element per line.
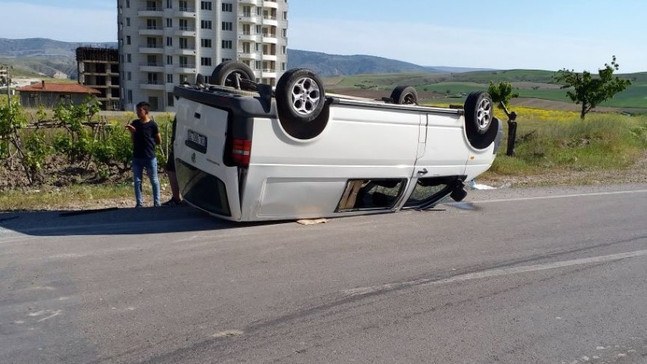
<point x="152" y="85"/>
<point x="151" y="12"/>
<point x="186" y="32"/>
<point x="249" y="19"/>
<point x="151" y="67"/>
<point x="271" y="21"/>
<point x="152" y="31"/>
<point x="268" y="73"/>
<point x="185" y="13"/>
<point x="249" y="2"/>
<point x="270" y="38"/>
<point x="250" y="37"/>
<point x="185" y="51"/>
<point x="248" y="55"/>
<point x="185" y="68"/>
<point x="269" y="57"/>
<point x="270" y="4"/>
<point x="156" y="50"/>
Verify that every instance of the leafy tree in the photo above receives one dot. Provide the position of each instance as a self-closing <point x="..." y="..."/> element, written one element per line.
<point x="501" y="93"/>
<point x="590" y="91"/>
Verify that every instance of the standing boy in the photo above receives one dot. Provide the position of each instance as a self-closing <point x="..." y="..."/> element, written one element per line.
<point x="146" y="136"/>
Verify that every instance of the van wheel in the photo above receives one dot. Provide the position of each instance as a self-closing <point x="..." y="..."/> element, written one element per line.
<point x="404" y="95"/>
<point x="230" y="73"/>
<point x="479" y="112"/>
<point x="300" y="102"/>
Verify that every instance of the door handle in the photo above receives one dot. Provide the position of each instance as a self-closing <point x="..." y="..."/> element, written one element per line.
<point x="422" y="171"/>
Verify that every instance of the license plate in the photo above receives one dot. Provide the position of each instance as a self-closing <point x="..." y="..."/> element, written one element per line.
<point x="196" y="141"/>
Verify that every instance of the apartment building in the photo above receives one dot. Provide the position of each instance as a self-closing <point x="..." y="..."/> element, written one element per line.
<point x="98" y="68"/>
<point x="163" y="43"/>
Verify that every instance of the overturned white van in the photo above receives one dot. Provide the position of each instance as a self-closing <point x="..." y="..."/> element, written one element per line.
<point x="246" y="152"/>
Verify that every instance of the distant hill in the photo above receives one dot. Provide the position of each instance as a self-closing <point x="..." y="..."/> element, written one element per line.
<point x="34" y="56"/>
<point x="327" y="65"/>
<point x="41" y="56"/>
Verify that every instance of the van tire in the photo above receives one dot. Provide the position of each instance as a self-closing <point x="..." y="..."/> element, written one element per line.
<point x="301" y="103"/>
<point x="229" y="73"/>
<point x="404" y="95"/>
<point x="479" y="112"/>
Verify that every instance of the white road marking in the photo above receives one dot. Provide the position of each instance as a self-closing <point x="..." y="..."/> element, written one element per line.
<point x="494" y="273"/>
<point x="560" y="196"/>
<point x="54" y="314"/>
<point x="227" y="333"/>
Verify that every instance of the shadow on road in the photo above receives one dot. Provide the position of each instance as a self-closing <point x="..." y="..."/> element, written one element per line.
<point x="113" y="221"/>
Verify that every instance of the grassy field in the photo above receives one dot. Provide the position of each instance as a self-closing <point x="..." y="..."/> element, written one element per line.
<point x="527" y="83"/>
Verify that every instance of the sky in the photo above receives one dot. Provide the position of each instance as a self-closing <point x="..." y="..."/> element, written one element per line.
<point x="499" y="34"/>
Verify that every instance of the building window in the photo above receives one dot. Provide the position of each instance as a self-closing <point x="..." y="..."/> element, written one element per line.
<point x="205" y="43"/>
<point x="127" y="22"/>
<point x="151" y="43"/>
<point x="169" y="42"/>
<point x="152" y="78"/>
<point x="284" y="33"/>
<point x="258" y="65"/>
<point x="169" y="100"/>
<point x="169" y="59"/>
<point x="227" y="44"/>
<point x="128" y="39"/>
<point x="184" y="43"/>
<point x="184" y="24"/>
<point x="205" y="61"/>
<point x="130" y="96"/>
<point x="205" y="5"/>
<point x="205" y="24"/>
<point x="226" y="59"/>
<point x="184" y="62"/>
<point x="285" y="15"/>
<point x="128" y="3"/>
<point x="227" y="25"/>
<point x="169" y="4"/>
<point x="227" y="8"/>
<point x="169" y="23"/>
<point x="129" y="58"/>
<point x="151" y="24"/>
<point x="130" y="76"/>
<point x="169" y="78"/>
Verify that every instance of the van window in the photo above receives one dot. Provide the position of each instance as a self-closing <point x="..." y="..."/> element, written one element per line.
<point x="371" y="194"/>
<point x="429" y="191"/>
<point x="204" y="190"/>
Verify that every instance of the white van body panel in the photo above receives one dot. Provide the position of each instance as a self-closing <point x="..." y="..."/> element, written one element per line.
<point x="290" y="178"/>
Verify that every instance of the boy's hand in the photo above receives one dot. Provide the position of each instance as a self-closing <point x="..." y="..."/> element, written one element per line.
<point x="130" y="128"/>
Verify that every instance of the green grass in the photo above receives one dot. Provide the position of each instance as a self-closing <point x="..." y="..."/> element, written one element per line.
<point x="604" y="141"/>
<point x="527" y="83"/>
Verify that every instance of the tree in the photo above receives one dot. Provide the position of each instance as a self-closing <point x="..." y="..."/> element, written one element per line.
<point x="590" y="91"/>
<point x="501" y="93"/>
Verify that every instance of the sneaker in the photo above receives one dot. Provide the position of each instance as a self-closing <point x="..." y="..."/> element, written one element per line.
<point x="172" y="202"/>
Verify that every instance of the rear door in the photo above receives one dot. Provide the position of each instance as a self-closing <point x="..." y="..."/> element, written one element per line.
<point x="205" y="180"/>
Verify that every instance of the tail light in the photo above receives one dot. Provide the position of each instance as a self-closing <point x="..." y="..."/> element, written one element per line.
<point x="241" y="151"/>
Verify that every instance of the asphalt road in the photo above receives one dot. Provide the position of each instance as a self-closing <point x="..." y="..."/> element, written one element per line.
<point x="548" y="275"/>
